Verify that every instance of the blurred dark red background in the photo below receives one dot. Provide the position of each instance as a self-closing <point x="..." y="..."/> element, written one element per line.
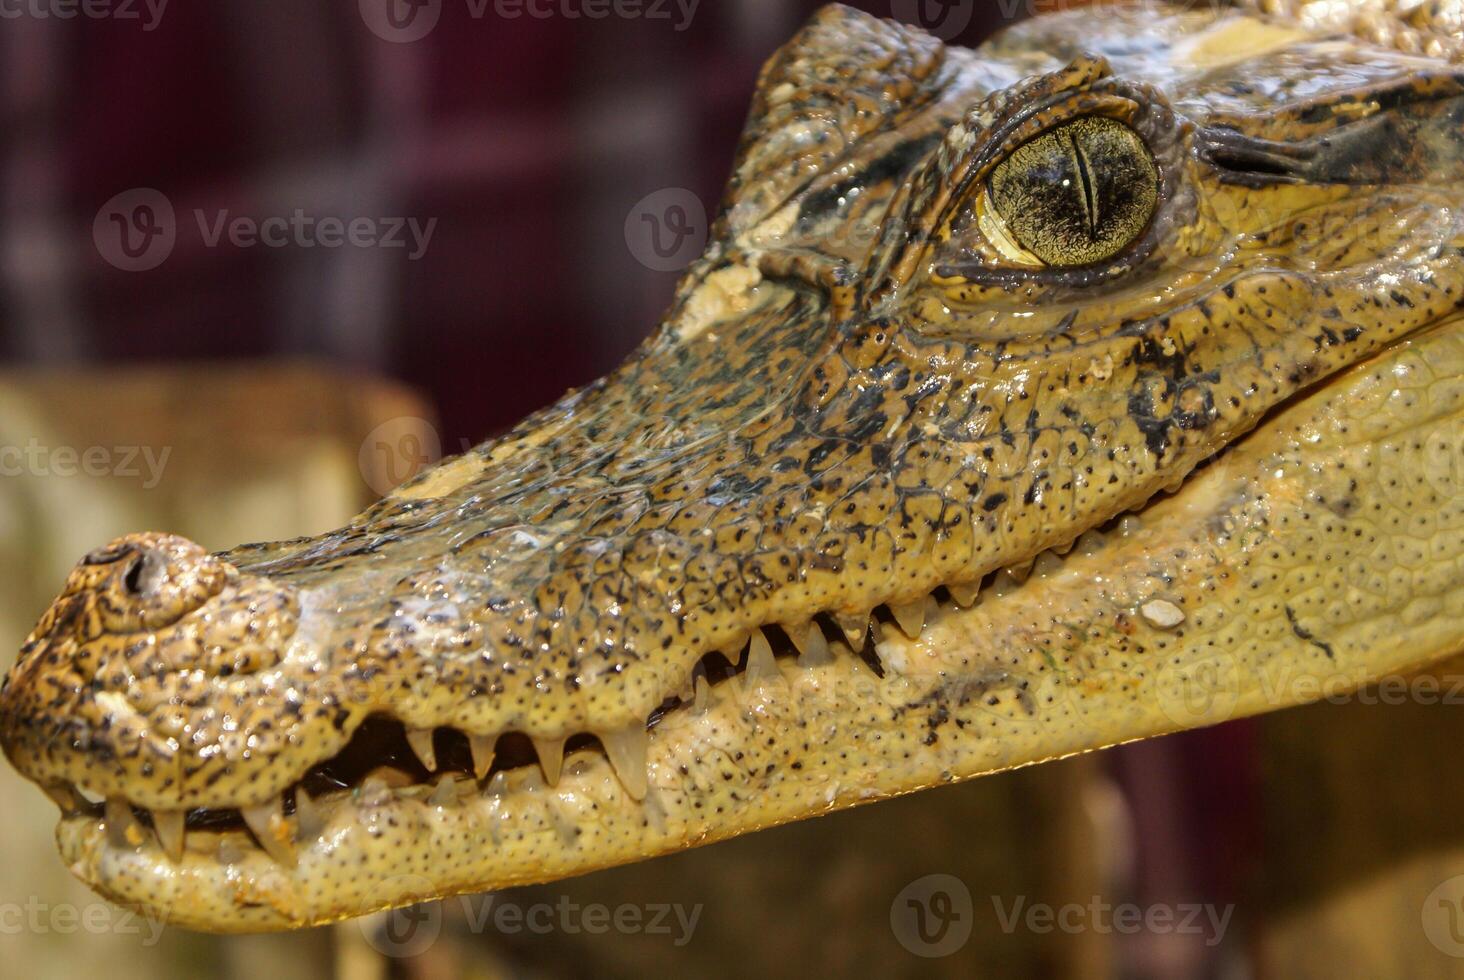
<point x="527" y="138"/>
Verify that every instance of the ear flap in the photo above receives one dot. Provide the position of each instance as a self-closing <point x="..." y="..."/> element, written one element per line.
<point x="845" y="75"/>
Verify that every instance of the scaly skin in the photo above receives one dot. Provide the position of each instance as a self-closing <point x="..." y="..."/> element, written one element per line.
<point x="863" y="400"/>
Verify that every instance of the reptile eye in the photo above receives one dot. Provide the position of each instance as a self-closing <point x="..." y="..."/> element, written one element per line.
<point x="1076" y="195"/>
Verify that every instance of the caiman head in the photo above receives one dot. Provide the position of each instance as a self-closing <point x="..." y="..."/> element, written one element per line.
<point x="1100" y="382"/>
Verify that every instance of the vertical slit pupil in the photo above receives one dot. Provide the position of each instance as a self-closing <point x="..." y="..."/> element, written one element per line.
<point x="1090" y="197"/>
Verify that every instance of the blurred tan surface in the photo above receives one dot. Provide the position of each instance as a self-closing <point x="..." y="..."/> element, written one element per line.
<point x="816" y="898"/>
<point x="222" y="456"/>
<point x="1364" y="834"/>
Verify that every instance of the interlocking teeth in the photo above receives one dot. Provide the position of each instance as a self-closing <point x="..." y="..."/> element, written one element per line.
<point x="702" y="698"/>
<point x="482" y="748"/>
<point x="808" y="638"/>
<point x="627" y="752"/>
<point x="420" y="739"/>
<point x="551" y="757"/>
<point x="267" y="823"/>
<point x="169" y="827"/>
<point x="910" y="616"/>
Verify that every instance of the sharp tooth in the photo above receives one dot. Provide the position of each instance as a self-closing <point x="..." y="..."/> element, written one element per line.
<point x="420" y="739"/>
<point x="445" y="793"/>
<point x="1047" y="563"/>
<point x="965" y="595"/>
<point x="1129" y="524"/>
<point x="267" y="821"/>
<point x="482" y="748"/>
<point x="813" y="649"/>
<point x="123" y="829"/>
<point x="761" y="664"/>
<point x="1091" y="542"/>
<point x="1020" y="571"/>
<point x="627" y="752"/>
<point x="551" y="757"/>
<point x="373" y="791"/>
<point x="910" y="616"/>
<point x="309" y="821"/>
<point x="702" y="700"/>
<point x="855" y="628"/>
<point x="388" y="778"/>
<point x="1004" y="582"/>
<point x="63" y="796"/>
<point x="169" y="826"/>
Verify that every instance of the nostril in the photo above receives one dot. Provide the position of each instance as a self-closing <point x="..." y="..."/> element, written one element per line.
<point x="143" y="575"/>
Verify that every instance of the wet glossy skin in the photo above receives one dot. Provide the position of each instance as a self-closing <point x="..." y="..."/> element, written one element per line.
<point x="871" y="395"/>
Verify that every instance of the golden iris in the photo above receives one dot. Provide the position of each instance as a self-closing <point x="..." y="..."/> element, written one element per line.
<point x="1077" y="194"/>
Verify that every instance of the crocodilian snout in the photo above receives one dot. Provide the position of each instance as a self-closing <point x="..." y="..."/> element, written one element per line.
<point x="123" y="687"/>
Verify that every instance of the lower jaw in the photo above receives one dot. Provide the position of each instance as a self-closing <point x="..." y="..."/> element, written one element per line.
<point x="1320" y="553"/>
